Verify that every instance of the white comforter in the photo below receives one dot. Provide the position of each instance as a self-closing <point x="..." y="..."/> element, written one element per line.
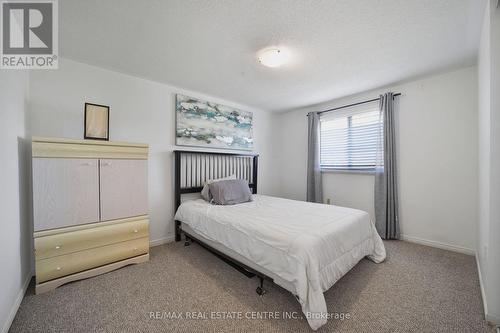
<point x="309" y="245"/>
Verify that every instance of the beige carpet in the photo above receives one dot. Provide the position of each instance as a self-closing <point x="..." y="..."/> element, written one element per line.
<point x="418" y="289"/>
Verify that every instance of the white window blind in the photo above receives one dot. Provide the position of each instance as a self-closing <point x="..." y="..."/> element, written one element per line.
<point x="348" y="137"/>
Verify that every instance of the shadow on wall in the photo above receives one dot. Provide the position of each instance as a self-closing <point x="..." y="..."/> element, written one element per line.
<point x="25" y="208"/>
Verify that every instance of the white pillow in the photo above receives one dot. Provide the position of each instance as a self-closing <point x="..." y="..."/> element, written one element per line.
<point x="205" y="193"/>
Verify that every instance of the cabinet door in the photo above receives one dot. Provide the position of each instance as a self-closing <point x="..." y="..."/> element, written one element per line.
<point x="65" y="192"/>
<point x="124" y="188"/>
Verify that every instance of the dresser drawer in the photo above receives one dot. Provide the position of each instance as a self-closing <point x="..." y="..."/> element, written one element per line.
<point x="88" y="237"/>
<point x="52" y="268"/>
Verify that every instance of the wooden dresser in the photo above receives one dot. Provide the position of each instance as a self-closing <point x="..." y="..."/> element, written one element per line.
<point x="90" y="208"/>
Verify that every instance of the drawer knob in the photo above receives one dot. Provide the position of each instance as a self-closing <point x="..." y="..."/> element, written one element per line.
<point x="136" y="231"/>
<point x="58" y="268"/>
<point x="135" y="249"/>
<point x="58" y="247"/>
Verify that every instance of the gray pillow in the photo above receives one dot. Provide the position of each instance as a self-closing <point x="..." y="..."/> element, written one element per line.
<point x="230" y="192"/>
<point x="205" y="192"/>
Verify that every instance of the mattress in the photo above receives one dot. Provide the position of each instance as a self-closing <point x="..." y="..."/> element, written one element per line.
<point x="306" y="246"/>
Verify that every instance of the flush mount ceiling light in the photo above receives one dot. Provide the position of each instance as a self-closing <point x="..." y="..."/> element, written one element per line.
<point x="273" y="57"/>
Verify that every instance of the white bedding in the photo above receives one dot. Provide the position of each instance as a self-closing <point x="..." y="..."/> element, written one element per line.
<point x="309" y="245"/>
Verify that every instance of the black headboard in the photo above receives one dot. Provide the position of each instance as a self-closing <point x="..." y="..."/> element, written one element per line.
<point x="194" y="168"/>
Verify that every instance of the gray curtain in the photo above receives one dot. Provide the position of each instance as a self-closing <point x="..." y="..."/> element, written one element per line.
<point x="386" y="184"/>
<point x="314" y="186"/>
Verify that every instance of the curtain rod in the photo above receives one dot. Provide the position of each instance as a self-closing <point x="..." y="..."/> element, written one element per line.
<point x="354" y="104"/>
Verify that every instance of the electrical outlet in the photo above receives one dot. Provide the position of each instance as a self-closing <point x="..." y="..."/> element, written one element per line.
<point x="328" y="201"/>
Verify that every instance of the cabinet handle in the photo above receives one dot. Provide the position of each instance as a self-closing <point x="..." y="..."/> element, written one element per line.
<point x="58" y="247"/>
<point x="88" y="164"/>
<point x="105" y="163"/>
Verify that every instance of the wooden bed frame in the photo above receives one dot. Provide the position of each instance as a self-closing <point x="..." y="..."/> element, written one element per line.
<point x="192" y="170"/>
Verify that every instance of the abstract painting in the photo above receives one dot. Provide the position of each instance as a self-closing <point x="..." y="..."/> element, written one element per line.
<point x="205" y="124"/>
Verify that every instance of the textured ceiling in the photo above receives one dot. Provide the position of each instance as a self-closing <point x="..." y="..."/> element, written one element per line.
<point x="339" y="47"/>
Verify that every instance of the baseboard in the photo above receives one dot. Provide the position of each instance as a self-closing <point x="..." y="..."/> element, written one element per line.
<point x="162" y="241"/>
<point x="17" y="303"/>
<point x="493" y="320"/>
<point x="439" y="245"/>
<point x="481" y="286"/>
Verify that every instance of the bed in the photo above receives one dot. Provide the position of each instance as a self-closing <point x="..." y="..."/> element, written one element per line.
<point x="303" y="247"/>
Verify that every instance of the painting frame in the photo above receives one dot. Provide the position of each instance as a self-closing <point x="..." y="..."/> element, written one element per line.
<point x="102" y="125"/>
<point x="216" y="126"/>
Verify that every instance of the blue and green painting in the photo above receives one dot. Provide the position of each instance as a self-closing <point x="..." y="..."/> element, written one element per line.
<point x="206" y="124"/>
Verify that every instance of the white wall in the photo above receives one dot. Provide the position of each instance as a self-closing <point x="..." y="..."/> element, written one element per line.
<point x="488" y="243"/>
<point x="141" y="111"/>
<point x="493" y="286"/>
<point x="484" y="140"/>
<point x="15" y="243"/>
<point x="437" y="143"/>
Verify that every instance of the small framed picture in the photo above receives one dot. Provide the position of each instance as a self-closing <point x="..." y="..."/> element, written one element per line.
<point x="96" y="122"/>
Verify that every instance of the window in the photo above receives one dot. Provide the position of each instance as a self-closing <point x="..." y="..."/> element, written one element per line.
<point x="348" y="138"/>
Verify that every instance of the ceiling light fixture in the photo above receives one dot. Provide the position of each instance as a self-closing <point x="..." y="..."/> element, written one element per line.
<point x="273" y="57"/>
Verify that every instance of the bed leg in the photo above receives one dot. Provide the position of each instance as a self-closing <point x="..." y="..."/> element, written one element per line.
<point x="260" y="289"/>
<point x="187" y="242"/>
<point x="177" y="231"/>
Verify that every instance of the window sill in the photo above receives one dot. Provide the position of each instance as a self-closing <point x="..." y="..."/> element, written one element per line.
<point x="348" y="171"/>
